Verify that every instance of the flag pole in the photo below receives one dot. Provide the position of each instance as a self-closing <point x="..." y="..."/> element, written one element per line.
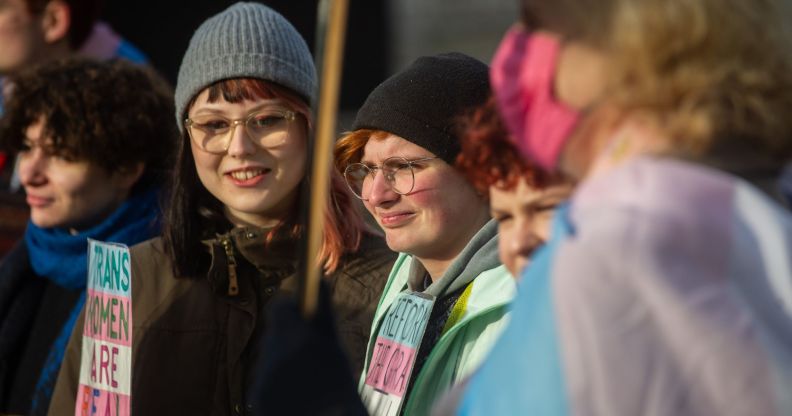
<point x="331" y="29"/>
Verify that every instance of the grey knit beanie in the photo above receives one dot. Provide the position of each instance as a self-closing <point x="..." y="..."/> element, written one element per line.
<point x="245" y="40"/>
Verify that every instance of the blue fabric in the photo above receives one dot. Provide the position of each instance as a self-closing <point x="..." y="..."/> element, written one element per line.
<point x="128" y="51"/>
<point x="523" y="373"/>
<point x="62" y="258"/>
<point x="785" y="183"/>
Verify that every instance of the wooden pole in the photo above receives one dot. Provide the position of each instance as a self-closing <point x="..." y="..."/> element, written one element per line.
<point x="330" y="34"/>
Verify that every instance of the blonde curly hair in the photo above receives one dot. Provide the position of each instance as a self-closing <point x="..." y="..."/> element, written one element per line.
<point x="708" y="70"/>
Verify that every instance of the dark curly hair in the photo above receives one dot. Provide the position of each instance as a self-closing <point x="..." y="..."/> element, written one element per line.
<point x="112" y="114"/>
<point x="83" y="15"/>
<point x="488" y="157"/>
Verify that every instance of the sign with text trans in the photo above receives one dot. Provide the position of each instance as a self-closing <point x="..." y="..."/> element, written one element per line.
<point x="106" y="366"/>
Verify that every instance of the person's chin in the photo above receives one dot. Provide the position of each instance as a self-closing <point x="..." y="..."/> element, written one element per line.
<point x="249" y="202"/>
<point x="399" y="240"/>
<point x="519" y="268"/>
<point x="255" y="212"/>
<point x="45" y="221"/>
<point x="406" y="240"/>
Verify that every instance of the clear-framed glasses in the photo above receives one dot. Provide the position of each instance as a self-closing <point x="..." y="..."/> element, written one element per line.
<point x="267" y="128"/>
<point x="398" y="172"/>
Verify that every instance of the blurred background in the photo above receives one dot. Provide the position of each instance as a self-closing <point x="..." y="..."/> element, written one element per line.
<point x="383" y="36"/>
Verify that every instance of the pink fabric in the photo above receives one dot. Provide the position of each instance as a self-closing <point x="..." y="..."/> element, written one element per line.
<point x="650" y="320"/>
<point x="102" y="43"/>
<point x="522" y="76"/>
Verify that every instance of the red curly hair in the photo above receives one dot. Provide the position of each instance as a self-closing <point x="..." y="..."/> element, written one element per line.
<point x="488" y="157"/>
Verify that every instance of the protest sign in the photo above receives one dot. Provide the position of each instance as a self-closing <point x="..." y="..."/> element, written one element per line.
<point x="393" y="357"/>
<point x="106" y="364"/>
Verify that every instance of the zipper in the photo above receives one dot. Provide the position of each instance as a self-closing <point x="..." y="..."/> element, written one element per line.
<point x="233" y="282"/>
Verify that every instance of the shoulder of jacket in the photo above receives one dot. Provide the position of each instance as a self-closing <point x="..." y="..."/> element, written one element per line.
<point x="150" y="246"/>
<point x="153" y="281"/>
<point x="373" y="257"/>
<point x="150" y="256"/>
<point x="16" y="262"/>
<point x="492" y="288"/>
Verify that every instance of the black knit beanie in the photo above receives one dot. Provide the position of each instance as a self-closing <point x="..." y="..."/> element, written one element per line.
<point x="421" y="103"/>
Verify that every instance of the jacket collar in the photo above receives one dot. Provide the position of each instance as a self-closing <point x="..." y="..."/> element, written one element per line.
<point x="244" y="247"/>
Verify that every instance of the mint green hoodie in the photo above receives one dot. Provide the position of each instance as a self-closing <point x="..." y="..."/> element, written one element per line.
<point x="463" y="346"/>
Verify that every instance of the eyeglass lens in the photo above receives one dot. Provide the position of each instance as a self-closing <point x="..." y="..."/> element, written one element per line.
<point x="397" y="172"/>
<point x="267" y="128"/>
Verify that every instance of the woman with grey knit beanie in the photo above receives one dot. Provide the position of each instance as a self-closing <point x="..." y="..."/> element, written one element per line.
<point x="243" y="105"/>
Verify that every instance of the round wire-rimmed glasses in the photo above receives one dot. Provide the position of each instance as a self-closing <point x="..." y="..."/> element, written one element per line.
<point x="267" y="128"/>
<point x="397" y="171"/>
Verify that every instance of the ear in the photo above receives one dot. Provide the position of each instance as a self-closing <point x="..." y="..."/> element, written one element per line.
<point x="127" y="178"/>
<point x="56" y="21"/>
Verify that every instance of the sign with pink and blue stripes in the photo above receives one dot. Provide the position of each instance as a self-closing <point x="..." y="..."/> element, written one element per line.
<point x="393" y="357"/>
<point x="106" y="365"/>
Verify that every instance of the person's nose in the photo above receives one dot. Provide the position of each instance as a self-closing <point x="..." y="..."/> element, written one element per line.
<point x="32" y="168"/>
<point x="240" y="143"/>
<point x="381" y="192"/>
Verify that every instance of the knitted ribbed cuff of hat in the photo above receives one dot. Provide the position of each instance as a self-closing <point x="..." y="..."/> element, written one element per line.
<point x="435" y="137"/>
<point x="422" y="103"/>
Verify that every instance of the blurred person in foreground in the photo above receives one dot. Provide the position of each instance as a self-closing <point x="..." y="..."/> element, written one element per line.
<point x="92" y="164"/>
<point x="666" y="286"/>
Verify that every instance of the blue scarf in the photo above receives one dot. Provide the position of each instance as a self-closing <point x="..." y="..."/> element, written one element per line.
<point x="62" y="258"/>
